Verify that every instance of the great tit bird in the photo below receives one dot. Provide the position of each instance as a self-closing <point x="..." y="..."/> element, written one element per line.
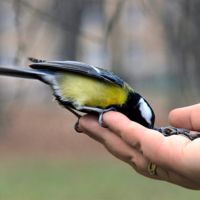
<point x="86" y="88"/>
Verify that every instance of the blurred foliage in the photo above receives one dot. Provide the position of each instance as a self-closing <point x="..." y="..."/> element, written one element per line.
<point x="153" y="45"/>
<point x="148" y="43"/>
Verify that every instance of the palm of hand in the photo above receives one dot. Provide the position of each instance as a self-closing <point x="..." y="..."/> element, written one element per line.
<point x="177" y="158"/>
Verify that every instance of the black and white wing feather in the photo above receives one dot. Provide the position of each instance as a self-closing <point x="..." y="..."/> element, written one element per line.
<point x="77" y="67"/>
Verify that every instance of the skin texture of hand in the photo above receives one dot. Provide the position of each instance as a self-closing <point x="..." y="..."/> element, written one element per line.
<point x="177" y="158"/>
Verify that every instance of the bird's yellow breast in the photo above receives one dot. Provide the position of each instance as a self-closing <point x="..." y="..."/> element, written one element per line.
<point x="89" y="91"/>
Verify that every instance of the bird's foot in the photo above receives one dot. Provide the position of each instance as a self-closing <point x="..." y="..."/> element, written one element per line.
<point x="91" y="109"/>
<point x="168" y="131"/>
<point x="78" y="116"/>
<point x="101" y="115"/>
<point x="76" y="126"/>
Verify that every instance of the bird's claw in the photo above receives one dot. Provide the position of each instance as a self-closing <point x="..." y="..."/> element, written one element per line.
<point x="168" y="131"/>
<point x="101" y="116"/>
<point x="76" y="126"/>
<point x="100" y="111"/>
<point x="101" y="120"/>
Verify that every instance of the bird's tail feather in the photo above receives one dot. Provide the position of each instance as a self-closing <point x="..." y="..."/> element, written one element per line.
<point x="20" y="72"/>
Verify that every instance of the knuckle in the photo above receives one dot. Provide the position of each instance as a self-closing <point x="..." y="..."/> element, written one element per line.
<point x="86" y="122"/>
<point x="107" y="141"/>
<point x="126" y="131"/>
<point x="128" y="136"/>
<point x="131" y="159"/>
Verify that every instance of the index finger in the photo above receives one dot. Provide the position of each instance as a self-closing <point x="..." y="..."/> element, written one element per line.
<point x="131" y="132"/>
<point x="187" y="117"/>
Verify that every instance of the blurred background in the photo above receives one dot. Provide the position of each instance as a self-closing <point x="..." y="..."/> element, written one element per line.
<point x="153" y="45"/>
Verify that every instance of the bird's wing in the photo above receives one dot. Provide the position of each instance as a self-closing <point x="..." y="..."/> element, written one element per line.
<point x="77" y="67"/>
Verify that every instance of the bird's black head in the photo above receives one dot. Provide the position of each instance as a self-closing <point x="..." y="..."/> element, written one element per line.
<point x="137" y="109"/>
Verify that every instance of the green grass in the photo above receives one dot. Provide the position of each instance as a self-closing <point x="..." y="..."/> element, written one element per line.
<point x="82" y="180"/>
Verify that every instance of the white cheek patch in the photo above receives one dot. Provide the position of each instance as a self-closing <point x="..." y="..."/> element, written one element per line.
<point x="145" y="110"/>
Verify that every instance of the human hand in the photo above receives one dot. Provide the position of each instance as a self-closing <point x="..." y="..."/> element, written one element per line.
<point x="177" y="158"/>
